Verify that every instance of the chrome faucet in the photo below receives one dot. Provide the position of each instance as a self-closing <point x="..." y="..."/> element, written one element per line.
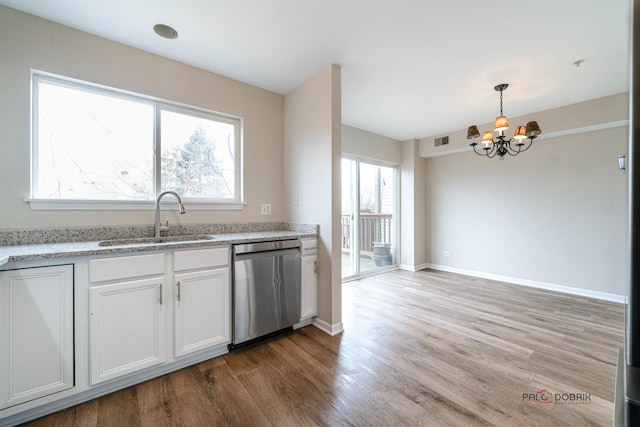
<point x="181" y="209"/>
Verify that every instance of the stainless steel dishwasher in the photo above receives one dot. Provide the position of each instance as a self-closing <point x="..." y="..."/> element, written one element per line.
<point x="266" y="289"/>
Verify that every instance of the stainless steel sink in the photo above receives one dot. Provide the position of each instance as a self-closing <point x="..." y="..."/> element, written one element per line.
<point x="155" y="240"/>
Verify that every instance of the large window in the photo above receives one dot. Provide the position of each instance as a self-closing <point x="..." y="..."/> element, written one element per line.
<point x="98" y="144"/>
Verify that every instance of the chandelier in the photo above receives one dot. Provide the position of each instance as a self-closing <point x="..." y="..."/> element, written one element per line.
<point x="502" y="146"/>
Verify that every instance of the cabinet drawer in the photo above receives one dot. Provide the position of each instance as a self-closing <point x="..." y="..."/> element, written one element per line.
<point x="200" y="258"/>
<point x="308" y="247"/>
<point x="125" y="267"/>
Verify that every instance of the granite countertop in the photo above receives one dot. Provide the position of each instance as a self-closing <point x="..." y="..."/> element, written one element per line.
<point x="66" y="249"/>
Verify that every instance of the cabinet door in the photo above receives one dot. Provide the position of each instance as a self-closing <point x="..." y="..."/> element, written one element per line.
<point x="201" y="310"/>
<point x="36" y="333"/>
<point x="309" y="289"/>
<point x="127" y="328"/>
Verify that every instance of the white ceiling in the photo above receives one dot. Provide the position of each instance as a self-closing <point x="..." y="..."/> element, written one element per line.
<point x="410" y="68"/>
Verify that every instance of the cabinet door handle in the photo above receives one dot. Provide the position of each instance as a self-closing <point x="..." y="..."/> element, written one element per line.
<point x="315" y="266"/>
<point x="178" y="284"/>
<point x="160" y="293"/>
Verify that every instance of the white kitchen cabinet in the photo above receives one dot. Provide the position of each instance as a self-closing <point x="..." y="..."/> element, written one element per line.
<point x="202" y="300"/>
<point x="201" y="310"/>
<point x="127" y="328"/>
<point x="127" y="316"/>
<point x="309" y="276"/>
<point x="36" y="333"/>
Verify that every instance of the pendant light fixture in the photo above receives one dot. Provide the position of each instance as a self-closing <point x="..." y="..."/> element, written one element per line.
<point x="502" y="146"/>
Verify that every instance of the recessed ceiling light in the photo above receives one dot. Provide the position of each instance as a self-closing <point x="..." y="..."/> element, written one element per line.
<point x="165" y="31"/>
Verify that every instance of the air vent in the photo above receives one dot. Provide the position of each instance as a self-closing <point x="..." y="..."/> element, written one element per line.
<point x="441" y="141"/>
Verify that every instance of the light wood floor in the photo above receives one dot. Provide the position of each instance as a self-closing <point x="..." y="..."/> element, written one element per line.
<point x="425" y="348"/>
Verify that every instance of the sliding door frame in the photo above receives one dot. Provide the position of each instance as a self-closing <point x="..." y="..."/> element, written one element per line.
<point x="355" y="221"/>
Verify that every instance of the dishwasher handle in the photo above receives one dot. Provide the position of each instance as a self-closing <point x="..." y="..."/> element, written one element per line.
<point x="237" y="258"/>
<point x="265" y="246"/>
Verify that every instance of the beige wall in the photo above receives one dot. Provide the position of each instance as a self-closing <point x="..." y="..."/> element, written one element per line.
<point x="414" y="210"/>
<point x="312" y="152"/>
<point x="370" y="146"/>
<point x="556" y="214"/>
<point x="27" y="42"/>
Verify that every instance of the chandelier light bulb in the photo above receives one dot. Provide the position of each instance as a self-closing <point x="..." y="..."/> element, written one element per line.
<point x="521" y="133"/>
<point x="501" y="124"/>
<point x="487" y="138"/>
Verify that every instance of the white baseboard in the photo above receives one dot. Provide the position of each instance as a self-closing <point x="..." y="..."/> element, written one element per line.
<point x="622" y="299"/>
<point x="327" y="328"/>
<point x="306" y="322"/>
<point x="418" y="267"/>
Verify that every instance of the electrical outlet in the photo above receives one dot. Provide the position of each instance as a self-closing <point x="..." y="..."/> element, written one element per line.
<point x="296" y="200"/>
<point x="265" y="209"/>
<point x="446" y="253"/>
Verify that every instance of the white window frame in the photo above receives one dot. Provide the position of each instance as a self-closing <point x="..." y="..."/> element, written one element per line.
<point x="194" y="203"/>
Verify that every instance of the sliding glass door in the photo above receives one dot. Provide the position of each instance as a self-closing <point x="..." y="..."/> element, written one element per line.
<point x="369" y="219"/>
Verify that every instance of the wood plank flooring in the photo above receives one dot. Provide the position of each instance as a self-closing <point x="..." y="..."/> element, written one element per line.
<point x="426" y="348"/>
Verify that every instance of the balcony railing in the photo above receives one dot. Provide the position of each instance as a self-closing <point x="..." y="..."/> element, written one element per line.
<point x="374" y="227"/>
